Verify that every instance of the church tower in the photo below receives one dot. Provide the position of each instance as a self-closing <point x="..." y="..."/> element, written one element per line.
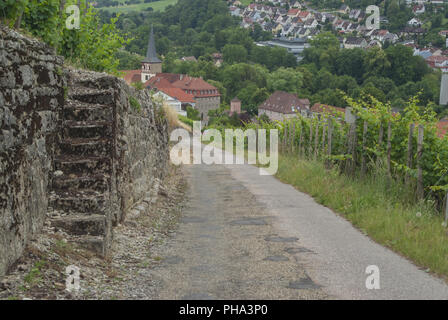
<point x="151" y="65"/>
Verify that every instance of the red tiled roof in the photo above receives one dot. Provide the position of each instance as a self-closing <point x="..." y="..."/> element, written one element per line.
<point x="323" y="108"/>
<point x="293" y="12"/>
<point x="196" y="86"/>
<point x="158" y="82"/>
<point x="283" y="102"/>
<point x="179" y="94"/>
<point x="433" y="60"/>
<point x="442" y="127"/>
<point x="303" y="14"/>
<point x="131" y="76"/>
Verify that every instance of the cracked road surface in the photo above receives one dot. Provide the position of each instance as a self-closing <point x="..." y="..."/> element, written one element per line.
<point x="247" y="236"/>
<point x="228" y="248"/>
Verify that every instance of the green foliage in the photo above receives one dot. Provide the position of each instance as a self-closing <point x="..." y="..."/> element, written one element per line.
<point x="185" y="120"/>
<point x="193" y="114"/>
<point x="94" y="46"/>
<point x="234" y="53"/>
<point x="34" y="276"/>
<point x="127" y="60"/>
<point x="393" y="74"/>
<point x="377" y="114"/>
<point x="138" y="85"/>
<point x="134" y="103"/>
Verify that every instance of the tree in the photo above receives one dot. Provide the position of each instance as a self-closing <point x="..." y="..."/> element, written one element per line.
<point x="376" y="62"/>
<point x="234" y="53"/>
<point x="285" y="79"/>
<point x="193" y="114"/>
<point x="325" y="41"/>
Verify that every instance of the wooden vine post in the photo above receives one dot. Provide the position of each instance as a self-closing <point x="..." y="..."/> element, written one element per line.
<point x="380" y="136"/>
<point x="316" y="140"/>
<point x="293" y="135"/>
<point x="351" y="149"/>
<point x="410" y="154"/>
<point x="324" y="129"/>
<point x="446" y="209"/>
<point x="420" y="191"/>
<point x="389" y="148"/>
<point x="330" y="140"/>
<point x="311" y="138"/>
<point x="285" y="134"/>
<point x="354" y="144"/>
<point x="301" y="138"/>
<point x="363" y="149"/>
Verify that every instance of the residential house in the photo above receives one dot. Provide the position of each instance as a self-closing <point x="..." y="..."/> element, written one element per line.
<point x="418" y="8"/>
<point x="344" y="9"/>
<point x="438" y="62"/>
<point x="206" y="96"/>
<point x="305" y="15"/>
<point x="282" y="105"/>
<point x="293" y="12"/>
<point x="354" y="14"/>
<point x="311" y="24"/>
<point x="424" y="53"/>
<point x="175" y="98"/>
<point x="297" y="5"/>
<point x="390" y="37"/>
<point x="354" y="42"/>
<point x="412" y="31"/>
<point x="414" y="22"/>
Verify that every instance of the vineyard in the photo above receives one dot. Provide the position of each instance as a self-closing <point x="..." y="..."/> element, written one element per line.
<point x="405" y="147"/>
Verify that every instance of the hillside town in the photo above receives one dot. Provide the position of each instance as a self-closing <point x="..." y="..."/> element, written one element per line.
<point x="293" y="27"/>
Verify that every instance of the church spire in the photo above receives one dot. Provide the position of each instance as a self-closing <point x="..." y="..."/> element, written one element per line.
<point x="151" y="53"/>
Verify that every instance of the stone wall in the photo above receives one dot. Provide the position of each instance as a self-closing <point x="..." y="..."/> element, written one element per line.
<point x="49" y="119"/>
<point x="31" y="93"/>
<point x="276" y="116"/>
<point x="141" y="146"/>
<point x="204" y="105"/>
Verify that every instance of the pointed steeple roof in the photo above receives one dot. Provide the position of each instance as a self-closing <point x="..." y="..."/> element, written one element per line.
<point x="151" y="54"/>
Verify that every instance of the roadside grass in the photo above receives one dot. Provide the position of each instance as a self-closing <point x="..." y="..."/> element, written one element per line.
<point x="390" y="216"/>
<point x="157" y="6"/>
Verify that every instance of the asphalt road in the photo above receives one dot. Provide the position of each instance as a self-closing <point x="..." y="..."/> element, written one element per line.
<point x="228" y="248"/>
<point x="248" y="236"/>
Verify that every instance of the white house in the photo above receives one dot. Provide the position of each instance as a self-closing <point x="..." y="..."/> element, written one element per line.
<point x="414" y="22"/>
<point x="172" y="102"/>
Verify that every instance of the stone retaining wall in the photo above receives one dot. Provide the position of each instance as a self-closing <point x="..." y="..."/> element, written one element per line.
<point x="31" y="93"/>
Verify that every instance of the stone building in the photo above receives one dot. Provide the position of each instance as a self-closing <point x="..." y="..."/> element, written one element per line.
<point x="235" y="106"/>
<point x="283" y="105"/>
